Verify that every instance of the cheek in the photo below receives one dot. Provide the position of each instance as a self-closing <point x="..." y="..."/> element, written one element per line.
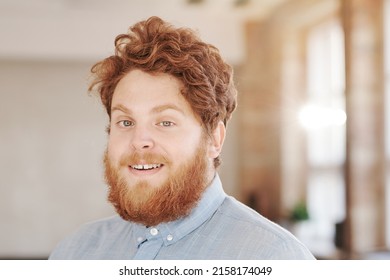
<point x="180" y="149"/>
<point x="189" y="142"/>
<point x="114" y="148"/>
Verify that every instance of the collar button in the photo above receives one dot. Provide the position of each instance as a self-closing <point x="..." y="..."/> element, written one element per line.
<point x="154" y="231"/>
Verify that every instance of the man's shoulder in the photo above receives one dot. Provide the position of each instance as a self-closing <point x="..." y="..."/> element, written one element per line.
<point x="99" y="227"/>
<point x="87" y="236"/>
<point x="237" y="212"/>
<point x="244" y="225"/>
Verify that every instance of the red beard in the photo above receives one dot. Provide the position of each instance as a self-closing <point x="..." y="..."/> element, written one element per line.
<point x="149" y="205"/>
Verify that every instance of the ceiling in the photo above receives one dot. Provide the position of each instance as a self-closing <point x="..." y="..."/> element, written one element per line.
<point x="85" y="29"/>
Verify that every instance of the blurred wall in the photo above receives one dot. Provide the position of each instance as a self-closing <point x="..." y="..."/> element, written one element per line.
<point x="52" y="139"/>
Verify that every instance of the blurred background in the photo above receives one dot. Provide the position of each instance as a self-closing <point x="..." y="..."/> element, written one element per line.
<point x="308" y="147"/>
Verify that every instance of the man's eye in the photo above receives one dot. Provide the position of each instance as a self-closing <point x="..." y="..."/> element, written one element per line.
<point x="125" y="123"/>
<point x="166" y="123"/>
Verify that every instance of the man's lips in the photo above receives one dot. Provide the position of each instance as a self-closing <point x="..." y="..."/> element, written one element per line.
<point x="146" y="166"/>
<point x="145" y="170"/>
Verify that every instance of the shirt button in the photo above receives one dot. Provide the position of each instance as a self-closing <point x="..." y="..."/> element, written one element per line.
<point x="154" y="231"/>
<point x="169" y="237"/>
<point x="140" y="239"/>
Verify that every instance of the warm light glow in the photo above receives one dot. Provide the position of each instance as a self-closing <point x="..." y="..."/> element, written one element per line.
<point x="314" y="117"/>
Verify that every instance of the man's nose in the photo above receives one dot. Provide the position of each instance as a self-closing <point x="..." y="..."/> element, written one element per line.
<point x="142" y="138"/>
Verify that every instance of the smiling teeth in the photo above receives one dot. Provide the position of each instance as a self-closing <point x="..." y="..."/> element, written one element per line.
<point x="145" y="166"/>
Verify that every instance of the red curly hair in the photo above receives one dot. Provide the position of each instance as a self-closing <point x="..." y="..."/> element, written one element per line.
<point x="155" y="46"/>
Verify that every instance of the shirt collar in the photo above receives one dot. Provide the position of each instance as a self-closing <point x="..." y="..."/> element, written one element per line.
<point x="172" y="232"/>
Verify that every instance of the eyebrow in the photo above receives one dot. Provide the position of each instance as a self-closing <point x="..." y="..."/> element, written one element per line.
<point x="120" y="107"/>
<point x="155" y="110"/>
<point x="161" y="108"/>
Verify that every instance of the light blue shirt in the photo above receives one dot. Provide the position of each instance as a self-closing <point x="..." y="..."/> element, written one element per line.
<point x="219" y="227"/>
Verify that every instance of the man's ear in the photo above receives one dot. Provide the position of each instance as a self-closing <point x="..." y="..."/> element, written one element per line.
<point x="216" y="141"/>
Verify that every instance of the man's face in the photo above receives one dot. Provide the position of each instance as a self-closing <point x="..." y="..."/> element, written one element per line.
<point x="158" y="158"/>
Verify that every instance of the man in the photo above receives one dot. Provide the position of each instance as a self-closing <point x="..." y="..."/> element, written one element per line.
<point x="169" y="97"/>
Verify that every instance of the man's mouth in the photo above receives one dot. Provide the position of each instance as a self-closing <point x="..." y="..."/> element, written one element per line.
<point x="146" y="166"/>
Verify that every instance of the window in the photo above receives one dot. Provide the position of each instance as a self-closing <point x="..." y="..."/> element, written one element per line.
<point x="324" y="118"/>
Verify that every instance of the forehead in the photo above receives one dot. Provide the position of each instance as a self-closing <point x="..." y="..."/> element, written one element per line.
<point x="138" y="88"/>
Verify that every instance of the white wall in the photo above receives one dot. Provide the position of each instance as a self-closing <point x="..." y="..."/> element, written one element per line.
<point x="52" y="139"/>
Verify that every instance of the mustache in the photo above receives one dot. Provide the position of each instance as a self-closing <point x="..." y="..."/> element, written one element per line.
<point x="145" y="157"/>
